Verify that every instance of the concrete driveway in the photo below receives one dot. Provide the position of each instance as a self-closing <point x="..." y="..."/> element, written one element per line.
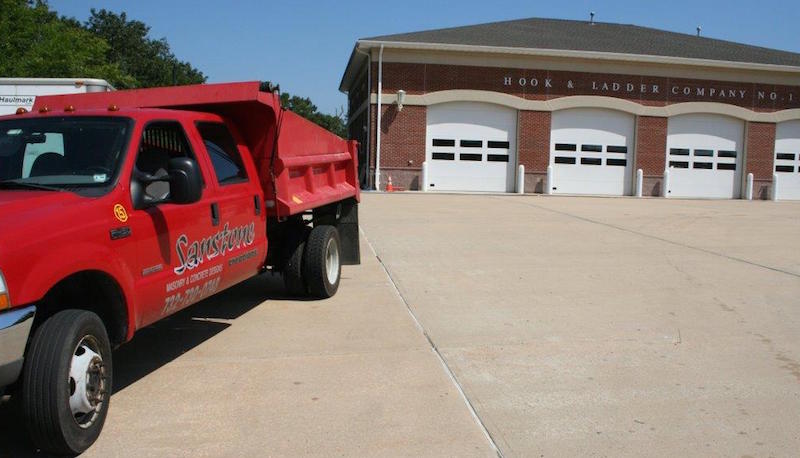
<point x="608" y="327"/>
<point x="238" y="376"/>
<point x="543" y="326"/>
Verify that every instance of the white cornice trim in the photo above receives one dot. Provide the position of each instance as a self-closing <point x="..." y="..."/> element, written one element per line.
<point x="787" y="115"/>
<point x="565" y="53"/>
<point x="588" y="101"/>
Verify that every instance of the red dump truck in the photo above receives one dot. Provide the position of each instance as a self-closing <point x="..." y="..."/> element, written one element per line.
<point x="120" y="208"/>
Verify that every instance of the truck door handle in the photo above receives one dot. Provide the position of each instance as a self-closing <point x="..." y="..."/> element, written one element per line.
<point x="258" y="205"/>
<point x="215" y="214"/>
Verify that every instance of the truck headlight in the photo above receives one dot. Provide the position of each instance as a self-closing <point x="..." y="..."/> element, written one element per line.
<point x="5" y="301"/>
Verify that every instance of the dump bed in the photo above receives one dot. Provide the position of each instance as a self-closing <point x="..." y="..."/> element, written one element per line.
<point x="309" y="165"/>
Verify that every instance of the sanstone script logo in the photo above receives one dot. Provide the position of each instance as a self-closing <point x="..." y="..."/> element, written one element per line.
<point x="193" y="254"/>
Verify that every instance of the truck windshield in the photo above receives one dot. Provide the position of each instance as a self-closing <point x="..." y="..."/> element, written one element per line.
<point x="71" y="153"/>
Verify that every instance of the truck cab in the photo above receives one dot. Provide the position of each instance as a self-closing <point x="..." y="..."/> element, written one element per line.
<point x="113" y="217"/>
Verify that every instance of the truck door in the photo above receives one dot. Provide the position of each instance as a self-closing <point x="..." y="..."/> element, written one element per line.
<point x="175" y="242"/>
<point x="240" y="203"/>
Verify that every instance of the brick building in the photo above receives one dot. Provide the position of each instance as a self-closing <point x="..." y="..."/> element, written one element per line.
<point x="581" y="105"/>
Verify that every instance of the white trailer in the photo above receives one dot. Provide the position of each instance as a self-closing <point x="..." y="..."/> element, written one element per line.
<point x="22" y="92"/>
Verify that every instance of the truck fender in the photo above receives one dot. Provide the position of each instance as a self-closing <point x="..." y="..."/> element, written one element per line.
<point x="63" y="261"/>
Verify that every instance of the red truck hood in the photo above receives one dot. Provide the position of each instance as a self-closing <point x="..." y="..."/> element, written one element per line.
<point x="22" y="209"/>
<point x="15" y="202"/>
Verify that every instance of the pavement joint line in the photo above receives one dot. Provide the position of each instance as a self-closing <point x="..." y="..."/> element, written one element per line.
<point x="289" y="356"/>
<point x="436" y="351"/>
<point x="654" y="237"/>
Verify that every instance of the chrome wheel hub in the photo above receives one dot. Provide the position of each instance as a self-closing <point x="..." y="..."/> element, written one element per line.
<point x="332" y="260"/>
<point x="87" y="382"/>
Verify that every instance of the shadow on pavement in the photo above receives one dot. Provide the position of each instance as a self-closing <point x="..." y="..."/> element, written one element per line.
<point x="157" y="345"/>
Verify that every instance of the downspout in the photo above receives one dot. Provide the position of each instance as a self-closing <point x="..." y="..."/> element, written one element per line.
<point x="369" y="113"/>
<point x="378" y="126"/>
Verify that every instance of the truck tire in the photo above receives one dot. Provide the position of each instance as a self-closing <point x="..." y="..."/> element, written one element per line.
<point x="66" y="385"/>
<point x="293" y="278"/>
<point x="322" y="263"/>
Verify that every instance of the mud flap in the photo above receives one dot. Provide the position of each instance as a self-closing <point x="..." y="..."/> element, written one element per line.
<point x="347" y="225"/>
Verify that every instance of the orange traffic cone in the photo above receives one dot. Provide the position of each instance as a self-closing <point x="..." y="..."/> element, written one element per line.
<point x="389" y="186"/>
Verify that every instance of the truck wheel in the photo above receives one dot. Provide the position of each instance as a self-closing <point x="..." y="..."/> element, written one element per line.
<point x="66" y="385"/>
<point x="293" y="270"/>
<point x="322" y="261"/>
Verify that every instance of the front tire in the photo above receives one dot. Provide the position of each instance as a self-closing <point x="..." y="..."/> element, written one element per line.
<point x="66" y="386"/>
<point x="322" y="262"/>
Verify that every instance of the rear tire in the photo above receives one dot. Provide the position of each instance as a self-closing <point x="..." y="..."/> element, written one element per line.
<point x="323" y="267"/>
<point x="66" y="385"/>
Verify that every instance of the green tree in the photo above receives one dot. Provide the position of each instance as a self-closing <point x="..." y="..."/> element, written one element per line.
<point x="35" y="42"/>
<point x="305" y="108"/>
<point x="150" y="62"/>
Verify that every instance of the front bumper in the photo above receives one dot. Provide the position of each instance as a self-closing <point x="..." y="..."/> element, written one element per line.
<point x="15" y="326"/>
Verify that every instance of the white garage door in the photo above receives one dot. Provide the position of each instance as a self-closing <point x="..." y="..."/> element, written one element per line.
<point x="704" y="156"/>
<point x="471" y="147"/>
<point x="787" y="160"/>
<point x="591" y="151"/>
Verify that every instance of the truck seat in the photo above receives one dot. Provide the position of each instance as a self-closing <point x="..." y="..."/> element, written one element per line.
<point x="48" y="164"/>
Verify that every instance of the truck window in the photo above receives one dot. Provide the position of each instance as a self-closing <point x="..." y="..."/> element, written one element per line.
<point x="75" y="153"/>
<point x="223" y="152"/>
<point x="161" y="141"/>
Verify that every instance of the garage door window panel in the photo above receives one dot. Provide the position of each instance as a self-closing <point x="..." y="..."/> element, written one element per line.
<point x="443" y="142"/>
<point x="471" y="144"/>
<point x="617" y="149"/>
<point x="470" y="157"/>
<point x="443" y="156"/>
<point x="498" y="145"/>
<point x="497" y="157"/>
<point x="592" y="148"/>
<point x="787" y="162"/>
<point x="566" y="147"/>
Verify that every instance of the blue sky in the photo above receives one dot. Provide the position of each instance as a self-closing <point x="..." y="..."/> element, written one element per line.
<point x="304" y="45"/>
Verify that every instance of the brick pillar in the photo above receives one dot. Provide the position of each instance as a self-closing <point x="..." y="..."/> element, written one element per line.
<point x="651" y="152"/>
<point x="760" y="157"/>
<point x="403" y="145"/>
<point x="533" y="147"/>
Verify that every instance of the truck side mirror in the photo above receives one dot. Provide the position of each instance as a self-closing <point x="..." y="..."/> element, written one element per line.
<point x="184" y="179"/>
<point x="186" y="183"/>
